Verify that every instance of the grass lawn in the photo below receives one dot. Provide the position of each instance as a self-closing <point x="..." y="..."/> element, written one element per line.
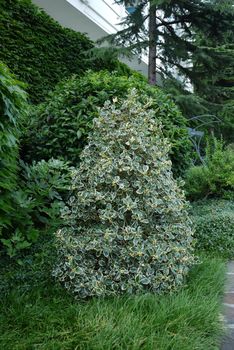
<point x="42" y="316"/>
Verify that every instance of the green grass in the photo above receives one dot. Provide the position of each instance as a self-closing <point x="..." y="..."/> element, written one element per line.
<point x="42" y="316"/>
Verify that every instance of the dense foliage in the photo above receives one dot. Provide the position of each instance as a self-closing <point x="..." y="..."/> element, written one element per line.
<point x="12" y="102"/>
<point x="216" y="83"/>
<point x="30" y="196"/>
<point x="37" y="200"/>
<point x="126" y="228"/>
<point x="37" y="49"/>
<point x="214" y="226"/>
<point x="45" y="185"/>
<point x="215" y="178"/>
<point x="59" y="127"/>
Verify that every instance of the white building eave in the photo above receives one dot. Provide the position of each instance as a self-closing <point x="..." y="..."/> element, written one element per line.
<point x="96" y="18"/>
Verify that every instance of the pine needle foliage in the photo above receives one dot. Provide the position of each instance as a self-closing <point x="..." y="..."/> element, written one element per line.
<point x="188" y="43"/>
<point x="126" y="228"/>
<point x="177" y="23"/>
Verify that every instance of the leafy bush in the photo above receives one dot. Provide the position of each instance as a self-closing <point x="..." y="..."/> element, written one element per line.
<point x="214" y="226"/>
<point x="46" y="184"/>
<point x="30" y="196"/>
<point x="37" y="201"/>
<point x="12" y="103"/>
<point x="60" y="126"/>
<point x="216" y="177"/>
<point x="126" y="228"/>
<point x="37" y="48"/>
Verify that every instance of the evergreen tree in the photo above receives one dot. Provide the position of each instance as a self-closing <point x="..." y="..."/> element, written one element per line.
<point x="167" y="30"/>
<point x="216" y="83"/>
<point x="212" y="100"/>
<point x="189" y="45"/>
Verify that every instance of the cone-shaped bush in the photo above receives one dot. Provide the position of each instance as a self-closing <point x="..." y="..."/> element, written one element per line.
<point x="126" y="229"/>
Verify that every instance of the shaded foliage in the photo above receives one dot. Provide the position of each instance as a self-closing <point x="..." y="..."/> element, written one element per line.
<point x="37" y="201"/>
<point x="12" y="103"/>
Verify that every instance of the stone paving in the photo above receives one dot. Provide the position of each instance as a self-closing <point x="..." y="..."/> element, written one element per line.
<point x="228" y="341"/>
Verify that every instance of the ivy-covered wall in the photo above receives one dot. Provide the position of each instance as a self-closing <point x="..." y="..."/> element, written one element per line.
<point x="37" y="49"/>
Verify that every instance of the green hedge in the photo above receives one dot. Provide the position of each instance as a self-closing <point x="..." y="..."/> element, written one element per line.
<point x="12" y="102"/>
<point x="37" y="49"/>
<point x="214" y="226"/>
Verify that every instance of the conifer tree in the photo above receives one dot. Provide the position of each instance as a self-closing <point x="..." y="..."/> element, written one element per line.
<point x="216" y="83"/>
<point x="167" y="30"/>
<point x="190" y="45"/>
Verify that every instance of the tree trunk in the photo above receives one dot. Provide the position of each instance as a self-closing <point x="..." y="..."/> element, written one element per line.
<point x="152" y="45"/>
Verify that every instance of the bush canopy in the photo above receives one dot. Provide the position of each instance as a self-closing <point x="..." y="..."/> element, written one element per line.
<point x="59" y="127"/>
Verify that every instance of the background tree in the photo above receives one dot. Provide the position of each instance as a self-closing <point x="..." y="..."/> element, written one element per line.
<point x="168" y="29"/>
<point x="216" y="84"/>
<point x="186" y="43"/>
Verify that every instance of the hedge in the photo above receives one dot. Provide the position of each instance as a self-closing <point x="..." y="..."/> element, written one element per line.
<point x="214" y="226"/>
<point x="12" y="105"/>
<point x="37" y="49"/>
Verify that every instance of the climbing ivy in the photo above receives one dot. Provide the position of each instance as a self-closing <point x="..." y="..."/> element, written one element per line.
<point x="37" y="49"/>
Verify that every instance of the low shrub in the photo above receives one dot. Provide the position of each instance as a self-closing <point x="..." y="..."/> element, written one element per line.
<point x="215" y="178"/>
<point x="214" y="226"/>
<point x="197" y="182"/>
<point x="30" y="196"/>
<point x="126" y="228"/>
<point x="47" y="185"/>
<point x="226" y="115"/>
<point x="59" y="127"/>
<point x="37" y="201"/>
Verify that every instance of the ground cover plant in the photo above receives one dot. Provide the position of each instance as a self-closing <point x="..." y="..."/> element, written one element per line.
<point x="36" y="313"/>
<point x="59" y="127"/>
<point x="126" y="228"/>
<point x="214" y="226"/>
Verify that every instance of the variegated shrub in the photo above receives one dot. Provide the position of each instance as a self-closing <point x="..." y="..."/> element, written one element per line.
<point x="126" y="228"/>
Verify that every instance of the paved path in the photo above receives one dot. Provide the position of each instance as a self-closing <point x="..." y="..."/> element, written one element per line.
<point x="228" y="342"/>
